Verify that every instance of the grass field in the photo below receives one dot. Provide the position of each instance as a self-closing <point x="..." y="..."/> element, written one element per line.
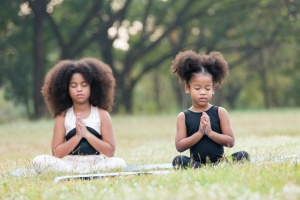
<point x="150" y="139"/>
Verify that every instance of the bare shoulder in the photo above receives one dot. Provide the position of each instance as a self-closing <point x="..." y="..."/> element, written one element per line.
<point x="222" y="112"/>
<point x="181" y="116"/>
<point x="59" y="124"/>
<point x="61" y="117"/>
<point x="103" y="114"/>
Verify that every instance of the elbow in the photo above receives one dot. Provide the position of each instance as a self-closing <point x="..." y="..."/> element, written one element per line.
<point x="230" y="144"/>
<point x="110" y="153"/>
<point x="179" y="148"/>
<point x="57" y="155"/>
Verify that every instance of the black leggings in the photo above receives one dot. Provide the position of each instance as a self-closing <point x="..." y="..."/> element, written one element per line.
<point x="185" y="162"/>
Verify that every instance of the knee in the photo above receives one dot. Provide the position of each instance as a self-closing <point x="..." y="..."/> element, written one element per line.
<point x="181" y="162"/>
<point x="242" y="156"/>
<point x="245" y="155"/>
<point x="114" y="162"/>
<point x="121" y="163"/>
<point x="38" y="159"/>
<point x="38" y="162"/>
<point x="177" y="161"/>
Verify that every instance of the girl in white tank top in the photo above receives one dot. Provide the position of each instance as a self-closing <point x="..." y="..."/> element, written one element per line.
<point x="80" y="94"/>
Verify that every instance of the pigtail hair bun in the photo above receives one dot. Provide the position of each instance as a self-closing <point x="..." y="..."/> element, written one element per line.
<point x="217" y="66"/>
<point x="185" y="64"/>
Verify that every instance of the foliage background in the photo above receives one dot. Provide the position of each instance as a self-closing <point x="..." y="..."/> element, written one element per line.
<point x="139" y="40"/>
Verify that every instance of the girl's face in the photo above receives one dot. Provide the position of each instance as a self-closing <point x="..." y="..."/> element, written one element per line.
<point x="201" y="89"/>
<point x="79" y="89"/>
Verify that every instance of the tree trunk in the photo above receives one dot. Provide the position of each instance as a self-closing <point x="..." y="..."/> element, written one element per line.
<point x="182" y="99"/>
<point x="39" y="9"/>
<point x="264" y="80"/>
<point x="123" y="96"/>
<point x="232" y="95"/>
<point x="126" y="101"/>
<point x="157" y="91"/>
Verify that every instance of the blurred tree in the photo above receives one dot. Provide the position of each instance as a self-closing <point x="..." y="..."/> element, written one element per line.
<point x="260" y="40"/>
<point x="133" y="37"/>
<point x="128" y="40"/>
<point x="15" y="54"/>
<point x="39" y="57"/>
<point x="136" y="37"/>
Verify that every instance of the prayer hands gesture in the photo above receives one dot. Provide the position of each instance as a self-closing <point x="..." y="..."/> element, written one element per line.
<point x="205" y="127"/>
<point x="81" y="129"/>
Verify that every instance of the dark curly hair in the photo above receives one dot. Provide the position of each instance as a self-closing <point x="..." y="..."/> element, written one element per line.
<point x="99" y="75"/>
<point x="188" y="63"/>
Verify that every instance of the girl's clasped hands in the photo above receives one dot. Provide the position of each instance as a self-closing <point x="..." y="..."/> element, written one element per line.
<point x="81" y="129"/>
<point x="205" y="127"/>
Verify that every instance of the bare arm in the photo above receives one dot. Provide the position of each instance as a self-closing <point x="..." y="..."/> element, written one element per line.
<point x="182" y="142"/>
<point x="60" y="148"/>
<point x="105" y="146"/>
<point x="227" y="137"/>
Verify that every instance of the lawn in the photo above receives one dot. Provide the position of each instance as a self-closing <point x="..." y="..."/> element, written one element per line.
<point x="150" y="139"/>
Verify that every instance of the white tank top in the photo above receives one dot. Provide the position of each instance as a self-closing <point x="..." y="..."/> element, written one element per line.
<point x="92" y="121"/>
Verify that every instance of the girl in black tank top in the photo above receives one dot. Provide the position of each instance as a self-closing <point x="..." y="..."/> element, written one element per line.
<point x="204" y="129"/>
<point x="206" y="149"/>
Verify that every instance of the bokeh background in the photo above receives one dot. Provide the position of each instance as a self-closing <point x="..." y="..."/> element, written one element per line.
<point x="139" y="39"/>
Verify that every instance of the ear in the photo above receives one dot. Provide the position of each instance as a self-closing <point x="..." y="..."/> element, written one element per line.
<point x="213" y="90"/>
<point x="186" y="88"/>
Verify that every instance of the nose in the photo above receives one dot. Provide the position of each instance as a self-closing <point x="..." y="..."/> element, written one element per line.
<point x="202" y="91"/>
<point x="79" y="88"/>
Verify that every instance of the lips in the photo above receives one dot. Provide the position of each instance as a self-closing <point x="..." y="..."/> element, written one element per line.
<point x="79" y="95"/>
<point x="202" y="99"/>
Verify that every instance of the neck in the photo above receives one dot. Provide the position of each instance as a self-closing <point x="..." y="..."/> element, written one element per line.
<point x="200" y="109"/>
<point x="81" y="108"/>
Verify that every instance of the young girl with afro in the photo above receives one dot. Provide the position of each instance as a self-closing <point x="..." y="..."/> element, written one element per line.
<point x="204" y="128"/>
<point x="80" y="94"/>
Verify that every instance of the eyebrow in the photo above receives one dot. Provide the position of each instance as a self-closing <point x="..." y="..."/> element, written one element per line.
<point x="80" y="82"/>
<point x="204" y="86"/>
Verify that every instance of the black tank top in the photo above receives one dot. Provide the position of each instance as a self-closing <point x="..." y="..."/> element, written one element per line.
<point x="206" y="150"/>
<point x="84" y="147"/>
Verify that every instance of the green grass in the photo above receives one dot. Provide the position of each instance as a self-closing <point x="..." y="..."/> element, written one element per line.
<point x="150" y="139"/>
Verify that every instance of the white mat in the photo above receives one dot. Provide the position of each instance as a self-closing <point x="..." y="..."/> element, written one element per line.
<point x="148" y="167"/>
<point x="94" y="176"/>
<point x="295" y="158"/>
